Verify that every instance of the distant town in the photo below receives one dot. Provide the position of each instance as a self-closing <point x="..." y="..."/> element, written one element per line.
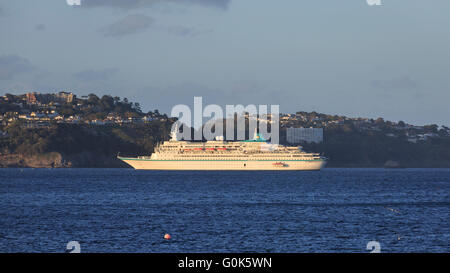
<point x="413" y="133"/>
<point x="41" y="110"/>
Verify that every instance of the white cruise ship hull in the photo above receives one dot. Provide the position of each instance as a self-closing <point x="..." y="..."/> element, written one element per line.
<point x="222" y="165"/>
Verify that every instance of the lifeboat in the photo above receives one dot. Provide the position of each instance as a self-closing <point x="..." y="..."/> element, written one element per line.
<point x="198" y="149"/>
<point x="222" y="149"/>
<point x="188" y="149"/>
<point x="279" y="164"/>
<point x="210" y="149"/>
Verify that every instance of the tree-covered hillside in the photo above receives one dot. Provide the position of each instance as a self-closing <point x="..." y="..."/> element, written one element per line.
<point x="81" y="145"/>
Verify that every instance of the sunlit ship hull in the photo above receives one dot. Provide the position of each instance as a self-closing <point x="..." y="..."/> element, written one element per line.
<point x="222" y="165"/>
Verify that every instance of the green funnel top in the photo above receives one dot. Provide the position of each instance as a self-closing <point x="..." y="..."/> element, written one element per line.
<point x="257" y="137"/>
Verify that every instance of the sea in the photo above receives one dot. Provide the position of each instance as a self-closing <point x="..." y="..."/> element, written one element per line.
<point x="124" y="210"/>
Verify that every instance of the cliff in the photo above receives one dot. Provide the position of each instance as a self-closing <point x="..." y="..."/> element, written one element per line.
<point x="48" y="160"/>
<point x="56" y="160"/>
<point x="78" y="146"/>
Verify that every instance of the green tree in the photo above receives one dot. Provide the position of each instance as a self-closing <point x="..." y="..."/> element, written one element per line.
<point x="93" y="99"/>
<point x="107" y="103"/>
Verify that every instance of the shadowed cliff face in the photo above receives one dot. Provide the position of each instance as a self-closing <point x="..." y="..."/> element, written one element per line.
<point x="87" y="159"/>
<point x="48" y="160"/>
<point x="56" y="160"/>
<point x="78" y="146"/>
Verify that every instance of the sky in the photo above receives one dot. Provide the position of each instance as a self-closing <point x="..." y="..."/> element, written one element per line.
<point x="336" y="57"/>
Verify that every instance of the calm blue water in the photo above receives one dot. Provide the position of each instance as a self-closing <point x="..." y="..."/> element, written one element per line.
<point x="122" y="210"/>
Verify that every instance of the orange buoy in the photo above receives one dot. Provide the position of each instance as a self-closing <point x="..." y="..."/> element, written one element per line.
<point x="167" y="236"/>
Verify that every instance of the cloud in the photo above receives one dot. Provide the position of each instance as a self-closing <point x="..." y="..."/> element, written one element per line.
<point x="129" y="25"/>
<point x="139" y="22"/>
<point x="132" y="4"/>
<point x="404" y="82"/>
<point x="13" y="65"/>
<point x="40" y="27"/>
<point x="96" y="75"/>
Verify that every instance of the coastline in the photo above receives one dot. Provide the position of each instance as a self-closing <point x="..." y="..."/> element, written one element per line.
<point x="129" y="167"/>
<point x="56" y="160"/>
<point x="86" y="159"/>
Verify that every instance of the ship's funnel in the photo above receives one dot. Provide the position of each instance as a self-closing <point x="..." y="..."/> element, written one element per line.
<point x="174" y="132"/>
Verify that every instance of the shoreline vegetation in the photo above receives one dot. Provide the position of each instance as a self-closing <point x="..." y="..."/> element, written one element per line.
<point x="63" y="131"/>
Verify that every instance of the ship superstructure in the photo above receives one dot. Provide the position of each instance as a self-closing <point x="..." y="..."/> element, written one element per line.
<point x="255" y="154"/>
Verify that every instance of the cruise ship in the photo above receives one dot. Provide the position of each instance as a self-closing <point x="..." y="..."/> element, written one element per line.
<point x="254" y="154"/>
